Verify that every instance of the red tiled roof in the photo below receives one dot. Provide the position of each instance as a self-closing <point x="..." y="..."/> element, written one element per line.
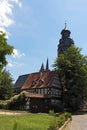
<point x="39" y="80"/>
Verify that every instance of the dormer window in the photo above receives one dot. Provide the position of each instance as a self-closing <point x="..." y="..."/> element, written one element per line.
<point x="41" y="81"/>
<point x="33" y="83"/>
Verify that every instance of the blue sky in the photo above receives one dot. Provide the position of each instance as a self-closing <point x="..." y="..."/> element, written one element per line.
<point x="33" y="27"/>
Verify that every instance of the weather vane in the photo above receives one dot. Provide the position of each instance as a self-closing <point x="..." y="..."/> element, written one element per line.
<point x="65" y="24"/>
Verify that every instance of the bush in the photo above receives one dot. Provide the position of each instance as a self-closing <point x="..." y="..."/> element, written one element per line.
<point x="67" y="115"/>
<point x="57" y="114"/>
<point x="3" y="104"/>
<point x="16" y="102"/>
<point x="51" y="112"/>
<point x="61" y="120"/>
<point x="53" y="125"/>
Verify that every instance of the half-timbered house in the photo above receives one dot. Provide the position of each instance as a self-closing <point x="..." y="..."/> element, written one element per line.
<point x="44" y="90"/>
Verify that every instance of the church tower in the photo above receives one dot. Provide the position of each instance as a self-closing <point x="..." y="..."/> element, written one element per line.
<point x="65" y="42"/>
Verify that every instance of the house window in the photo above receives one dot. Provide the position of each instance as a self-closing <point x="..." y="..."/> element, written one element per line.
<point x="45" y="91"/>
<point x="59" y="93"/>
<point x="31" y="90"/>
<point x="33" y="83"/>
<point x="55" y="92"/>
<point x="42" y="91"/>
<point x="41" y="82"/>
<point x="54" y="101"/>
<point x="39" y="91"/>
<point x="36" y="90"/>
<point x="48" y="91"/>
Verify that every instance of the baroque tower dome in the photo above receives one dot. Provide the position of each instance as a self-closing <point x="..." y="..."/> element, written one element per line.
<point x="65" y="42"/>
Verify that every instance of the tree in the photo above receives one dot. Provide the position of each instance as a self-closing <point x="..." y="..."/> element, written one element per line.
<point x="5" y="77"/>
<point x="6" y="86"/>
<point x="72" y="70"/>
<point x="5" y="49"/>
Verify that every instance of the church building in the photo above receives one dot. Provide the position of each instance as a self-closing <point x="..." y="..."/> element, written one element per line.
<point x="43" y="87"/>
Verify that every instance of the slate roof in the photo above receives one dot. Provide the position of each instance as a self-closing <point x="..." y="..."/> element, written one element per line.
<point x="20" y="81"/>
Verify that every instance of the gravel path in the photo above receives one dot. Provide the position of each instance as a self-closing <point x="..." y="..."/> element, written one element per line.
<point x="79" y="122"/>
<point x="11" y="113"/>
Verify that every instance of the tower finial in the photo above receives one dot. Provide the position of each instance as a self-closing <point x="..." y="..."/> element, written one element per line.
<point x="42" y="68"/>
<point x="65" y="24"/>
<point x="47" y="65"/>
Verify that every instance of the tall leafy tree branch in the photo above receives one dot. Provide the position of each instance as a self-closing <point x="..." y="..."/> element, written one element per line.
<point x="5" y="49"/>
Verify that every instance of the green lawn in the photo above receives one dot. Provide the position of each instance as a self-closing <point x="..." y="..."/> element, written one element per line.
<point x="26" y="122"/>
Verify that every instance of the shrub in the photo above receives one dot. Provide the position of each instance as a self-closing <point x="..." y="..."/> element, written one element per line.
<point x="67" y="115"/>
<point x="51" y="112"/>
<point x="57" y="114"/>
<point x="61" y="120"/>
<point x="53" y="125"/>
<point x="3" y="104"/>
<point x="16" y="102"/>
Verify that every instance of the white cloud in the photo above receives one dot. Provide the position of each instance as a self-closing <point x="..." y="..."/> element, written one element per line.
<point x="14" y="61"/>
<point x="17" y="2"/>
<point x="6" y="12"/>
<point x="17" y="53"/>
<point x="20" y="4"/>
<point x="14" y="64"/>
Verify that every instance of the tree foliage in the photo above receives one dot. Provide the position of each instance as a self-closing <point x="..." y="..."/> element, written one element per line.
<point x="6" y="85"/>
<point x="72" y="69"/>
<point x="15" y="102"/>
<point x="5" y="49"/>
<point x="5" y="77"/>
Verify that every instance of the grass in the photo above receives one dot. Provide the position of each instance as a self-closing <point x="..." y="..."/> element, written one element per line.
<point x="26" y="122"/>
